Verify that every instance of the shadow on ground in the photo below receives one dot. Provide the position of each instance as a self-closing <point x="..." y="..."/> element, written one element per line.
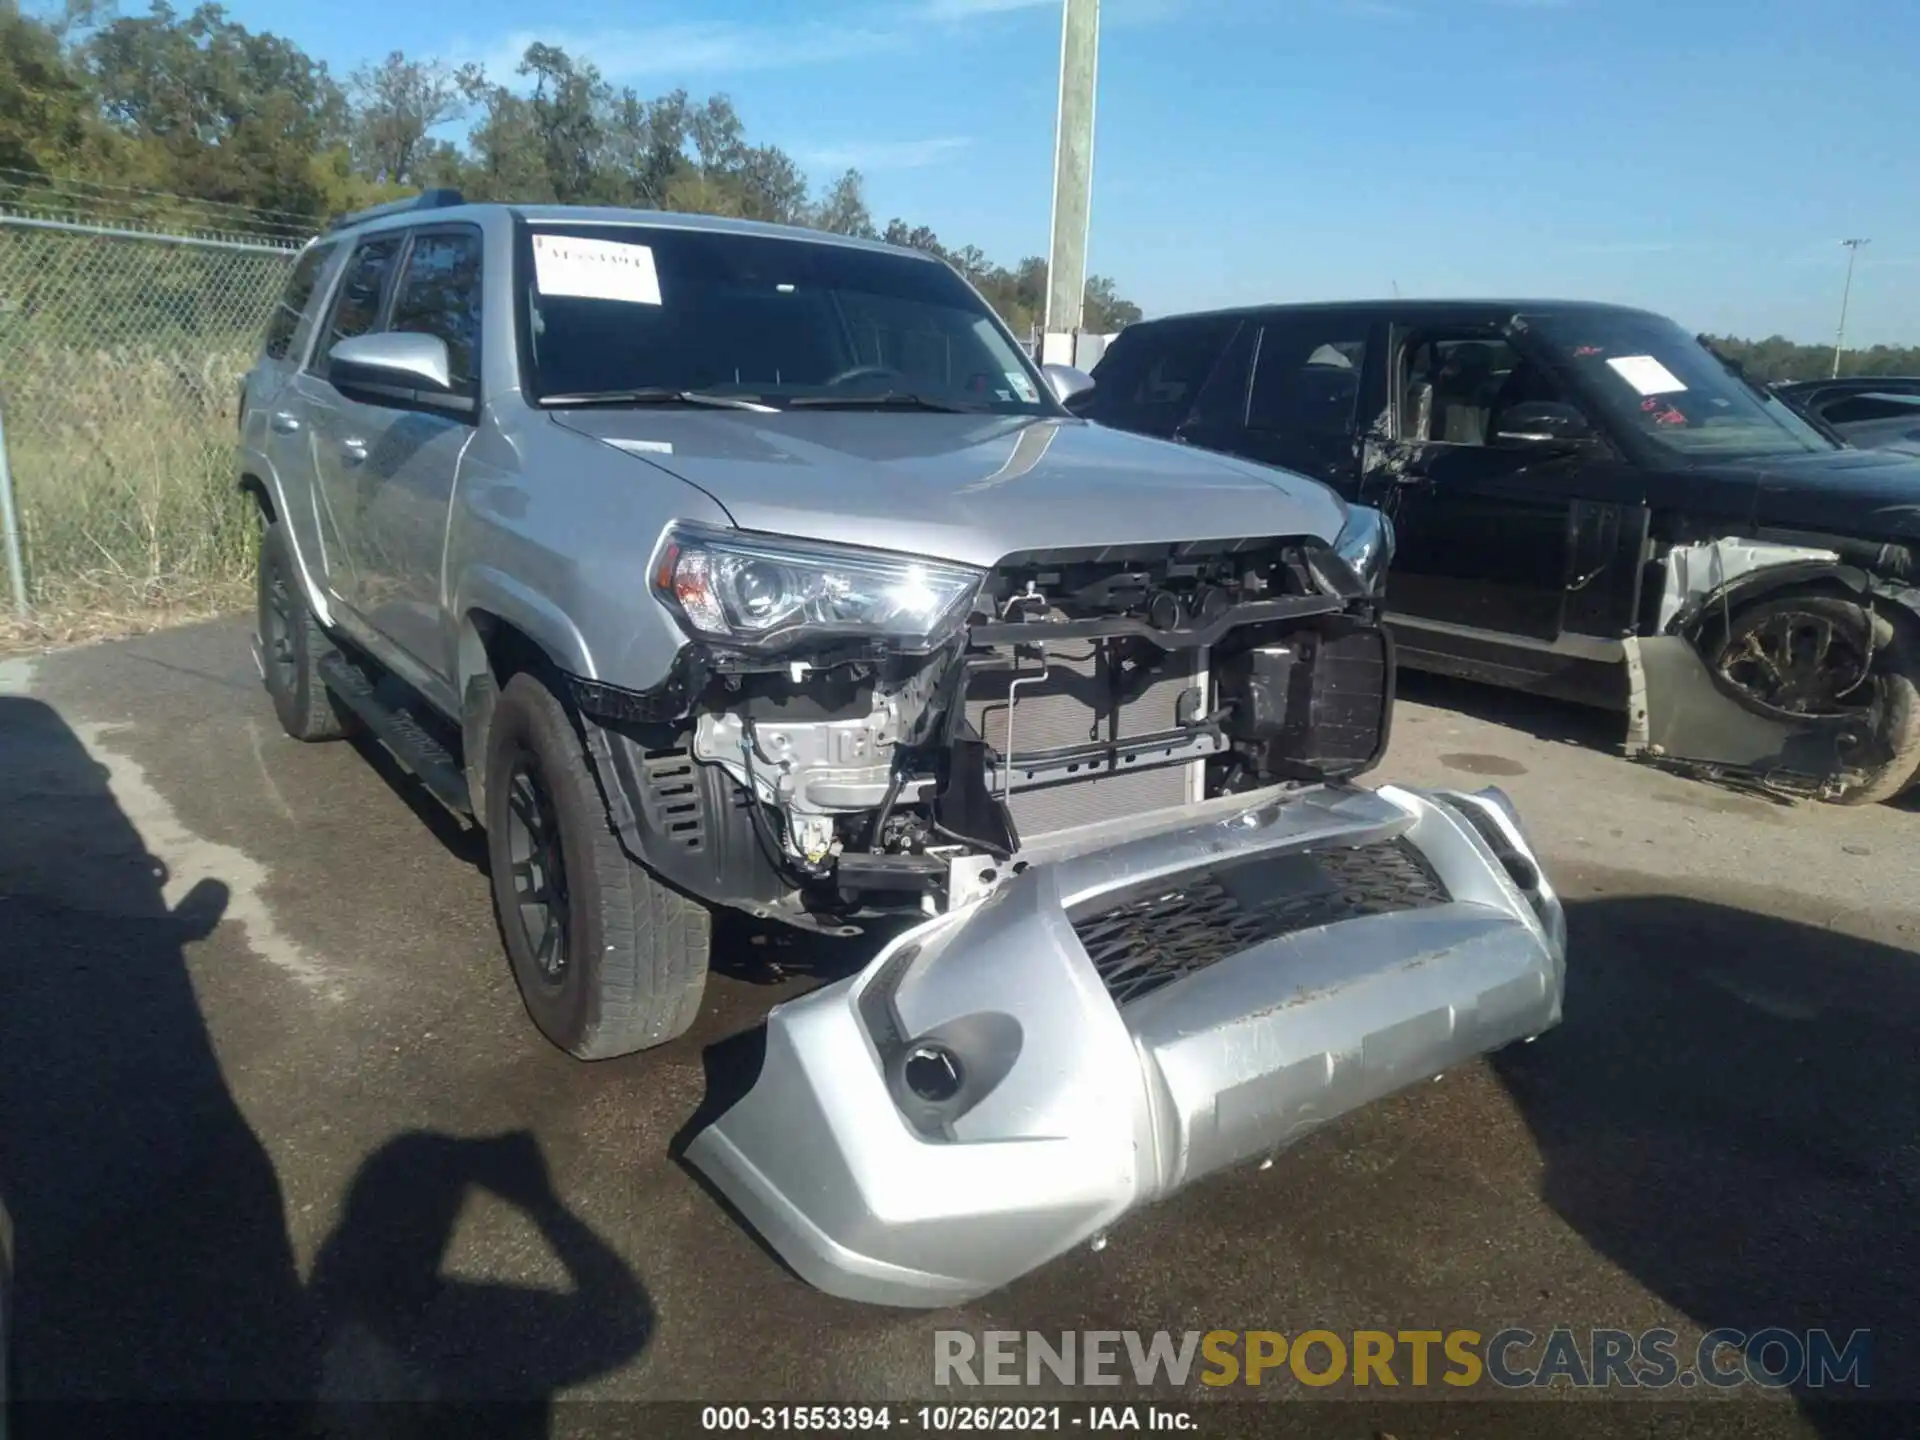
<point x="1555" y="721"/>
<point x="1731" y="1114"/>
<point x="153" y="1259"/>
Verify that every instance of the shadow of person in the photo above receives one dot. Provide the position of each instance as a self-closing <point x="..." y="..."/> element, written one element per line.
<point x="1731" y="1114"/>
<point x="460" y="1356"/>
<point x="152" y="1258"/>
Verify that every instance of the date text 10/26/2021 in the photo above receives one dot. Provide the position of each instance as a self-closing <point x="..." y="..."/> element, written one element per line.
<point x="941" y="1419"/>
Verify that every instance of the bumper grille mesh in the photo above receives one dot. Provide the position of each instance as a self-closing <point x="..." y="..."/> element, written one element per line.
<point x="1151" y="936"/>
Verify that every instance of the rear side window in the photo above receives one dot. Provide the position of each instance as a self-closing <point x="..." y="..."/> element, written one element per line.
<point x="356" y="308"/>
<point x="1306" y="377"/>
<point x="1150" y="384"/>
<point x="294" y="300"/>
<point x="439" y="294"/>
<point x="1854" y="409"/>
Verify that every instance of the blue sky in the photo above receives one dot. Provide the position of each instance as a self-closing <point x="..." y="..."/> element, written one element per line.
<point x="1701" y="157"/>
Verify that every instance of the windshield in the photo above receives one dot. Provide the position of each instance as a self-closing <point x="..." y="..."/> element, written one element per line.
<point x="613" y="309"/>
<point x="1656" y="380"/>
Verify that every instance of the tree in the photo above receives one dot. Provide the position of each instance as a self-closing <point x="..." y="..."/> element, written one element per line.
<point x="1778" y="358"/>
<point x="567" y="103"/>
<point x="47" y="115"/>
<point x="201" y="108"/>
<point x="396" y="105"/>
<point x="843" y="209"/>
<point x="1105" y="312"/>
<point x="216" y="111"/>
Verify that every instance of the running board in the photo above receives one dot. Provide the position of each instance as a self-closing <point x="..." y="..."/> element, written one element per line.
<point x="400" y="731"/>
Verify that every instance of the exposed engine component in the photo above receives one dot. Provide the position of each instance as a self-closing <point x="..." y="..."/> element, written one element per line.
<point x="1086" y="687"/>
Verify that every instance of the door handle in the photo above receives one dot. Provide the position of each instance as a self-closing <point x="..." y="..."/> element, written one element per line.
<point x="284" y="422"/>
<point x="354" y="452"/>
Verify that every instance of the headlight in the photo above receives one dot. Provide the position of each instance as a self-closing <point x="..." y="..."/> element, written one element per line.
<point x="761" y="591"/>
<point x="1366" y="543"/>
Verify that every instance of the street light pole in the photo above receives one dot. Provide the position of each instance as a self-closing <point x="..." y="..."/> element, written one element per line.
<point x="1072" y="180"/>
<point x="1840" y="335"/>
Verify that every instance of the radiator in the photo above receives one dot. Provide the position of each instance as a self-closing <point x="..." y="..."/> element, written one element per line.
<point x="1074" y="705"/>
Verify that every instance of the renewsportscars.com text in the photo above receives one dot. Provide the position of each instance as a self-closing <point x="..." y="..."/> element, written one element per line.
<point x="1511" y="1359"/>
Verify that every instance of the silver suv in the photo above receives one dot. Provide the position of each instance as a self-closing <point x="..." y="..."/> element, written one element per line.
<point x="716" y="565"/>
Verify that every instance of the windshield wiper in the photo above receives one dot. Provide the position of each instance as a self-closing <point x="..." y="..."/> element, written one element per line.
<point x="886" y="400"/>
<point x="657" y="395"/>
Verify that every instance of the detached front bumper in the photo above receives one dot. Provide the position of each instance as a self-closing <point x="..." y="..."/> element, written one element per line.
<point x="1128" y="1014"/>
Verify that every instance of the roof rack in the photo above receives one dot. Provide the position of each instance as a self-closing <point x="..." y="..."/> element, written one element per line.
<point x="425" y="200"/>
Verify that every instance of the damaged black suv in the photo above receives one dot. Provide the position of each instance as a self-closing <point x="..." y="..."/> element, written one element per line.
<point x="1590" y="503"/>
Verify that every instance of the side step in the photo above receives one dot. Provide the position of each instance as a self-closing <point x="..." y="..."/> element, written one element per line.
<point x="409" y="740"/>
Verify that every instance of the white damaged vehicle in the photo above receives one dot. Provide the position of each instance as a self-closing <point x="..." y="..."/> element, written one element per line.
<point x="708" y="565"/>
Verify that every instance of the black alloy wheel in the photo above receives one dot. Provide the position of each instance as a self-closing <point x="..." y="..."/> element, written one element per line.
<point x="1802" y="658"/>
<point x="538" y="870"/>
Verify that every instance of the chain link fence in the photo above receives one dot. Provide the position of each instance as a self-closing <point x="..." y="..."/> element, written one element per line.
<point x="121" y="356"/>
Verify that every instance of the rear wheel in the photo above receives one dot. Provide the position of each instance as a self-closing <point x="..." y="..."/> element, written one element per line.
<point x="292" y="645"/>
<point x="1821" y="656"/>
<point x="608" y="959"/>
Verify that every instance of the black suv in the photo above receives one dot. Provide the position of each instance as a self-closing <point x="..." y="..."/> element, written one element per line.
<point x="1870" y="411"/>
<point x="1582" y="491"/>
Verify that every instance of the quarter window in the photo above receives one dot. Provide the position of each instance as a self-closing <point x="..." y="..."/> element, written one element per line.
<point x="1151" y="384"/>
<point x="1306" y="379"/>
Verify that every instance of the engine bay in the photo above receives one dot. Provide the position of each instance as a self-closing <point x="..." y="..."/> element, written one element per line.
<point x="1086" y="687"/>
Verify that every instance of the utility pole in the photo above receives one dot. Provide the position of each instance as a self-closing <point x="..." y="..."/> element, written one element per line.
<point x="1840" y="335"/>
<point x="1072" y="181"/>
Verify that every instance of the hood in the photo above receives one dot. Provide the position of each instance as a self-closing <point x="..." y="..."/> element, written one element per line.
<point x="971" y="488"/>
<point x="1872" y="494"/>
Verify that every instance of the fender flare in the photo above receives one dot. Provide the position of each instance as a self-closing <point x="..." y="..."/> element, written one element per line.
<point x="540" y="619"/>
<point x="261" y="483"/>
<point x="1905" y="597"/>
<point x="1743" y="590"/>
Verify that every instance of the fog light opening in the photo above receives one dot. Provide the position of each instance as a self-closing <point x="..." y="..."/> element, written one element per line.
<point x="932" y="1073"/>
<point x="1523" y="871"/>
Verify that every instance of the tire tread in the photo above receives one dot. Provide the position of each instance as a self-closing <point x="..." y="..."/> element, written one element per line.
<point x="649" y="975"/>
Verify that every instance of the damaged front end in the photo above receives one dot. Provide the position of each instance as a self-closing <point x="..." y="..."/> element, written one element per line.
<point x="901" y="732"/>
<point x="1784" y="664"/>
<point x="1126" y="1015"/>
<point x="1154" y="934"/>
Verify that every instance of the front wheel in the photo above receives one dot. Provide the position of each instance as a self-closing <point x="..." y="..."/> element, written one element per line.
<point x="1819" y="656"/>
<point x="608" y="959"/>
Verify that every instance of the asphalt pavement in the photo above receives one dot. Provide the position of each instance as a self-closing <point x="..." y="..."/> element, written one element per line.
<point x="274" y="1124"/>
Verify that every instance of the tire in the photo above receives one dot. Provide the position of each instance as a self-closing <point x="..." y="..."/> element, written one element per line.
<point x="1893" y="761"/>
<point x="619" y="963"/>
<point x="292" y="645"/>
<point x="1899" y="733"/>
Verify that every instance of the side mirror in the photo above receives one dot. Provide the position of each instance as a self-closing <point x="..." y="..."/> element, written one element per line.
<point x="1067" y="383"/>
<point x="1543" y="424"/>
<point x="394" y="361"/>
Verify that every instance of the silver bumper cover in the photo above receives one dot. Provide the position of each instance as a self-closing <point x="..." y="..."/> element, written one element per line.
<point x="1141" y="1005"/>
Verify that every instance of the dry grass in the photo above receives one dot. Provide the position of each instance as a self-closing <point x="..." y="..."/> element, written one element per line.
<point x="123" y="469"/>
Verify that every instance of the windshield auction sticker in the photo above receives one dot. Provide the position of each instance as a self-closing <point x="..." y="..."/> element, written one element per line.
<point x="595" y="270"/>
<point x="1646" y="374"/>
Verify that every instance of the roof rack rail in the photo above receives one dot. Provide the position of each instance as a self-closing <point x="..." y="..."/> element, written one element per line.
<point x="425" y="200"/>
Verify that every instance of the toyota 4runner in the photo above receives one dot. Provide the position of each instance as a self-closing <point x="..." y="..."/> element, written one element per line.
<point x="706" y="564"/>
